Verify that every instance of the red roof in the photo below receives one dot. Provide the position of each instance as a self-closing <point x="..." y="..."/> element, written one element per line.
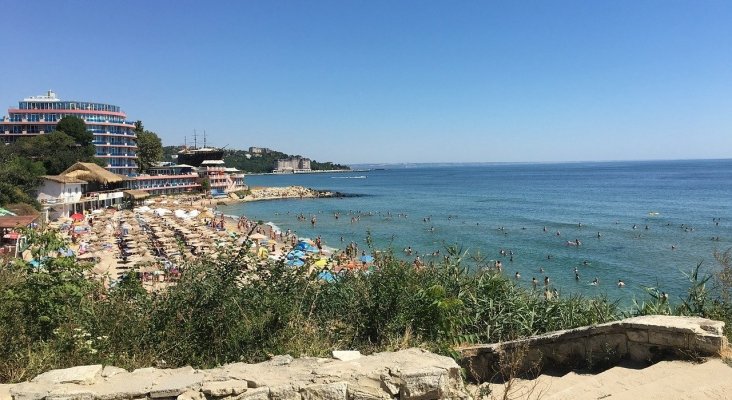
<point x="13" y="221"/>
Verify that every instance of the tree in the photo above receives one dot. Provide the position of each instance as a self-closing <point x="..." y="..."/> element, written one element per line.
<point x="23" y="173"/>
<point x="149" y="148"/>
<point x="205" y="185"/>
<point x="56" y="150"/>
<point x="76" y="128"/>
<point x="19" y="180"/>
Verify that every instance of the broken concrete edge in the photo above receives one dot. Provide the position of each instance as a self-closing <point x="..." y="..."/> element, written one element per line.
<point x="644" y="338"/>
<point x="410" y="374"/>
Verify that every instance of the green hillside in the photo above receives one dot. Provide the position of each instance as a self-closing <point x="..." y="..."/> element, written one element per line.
<point x="257" y="163"/>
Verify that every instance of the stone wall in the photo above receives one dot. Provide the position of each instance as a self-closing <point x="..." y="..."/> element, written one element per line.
<point x="647" y="338"/>
<point x="411" y="374"/>
<point x="407" y="374"/>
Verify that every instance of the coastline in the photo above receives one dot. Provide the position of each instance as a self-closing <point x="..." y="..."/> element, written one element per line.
<point x="321" y="171"/>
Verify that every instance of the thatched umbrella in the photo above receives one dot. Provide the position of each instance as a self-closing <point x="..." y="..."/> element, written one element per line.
<point x="91" y="172"/>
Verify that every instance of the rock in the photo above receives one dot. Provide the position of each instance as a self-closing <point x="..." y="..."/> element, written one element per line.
<point x="367" y="393"/>
<point x="280" y="360"/>
<point x="70" y="393"/>
<point x="254" y="394"/>
<point x="328" y="391"/>
<point x="284" y="392"/>
<point x="29" y="391"/>
<point x="84" y="375"/>
<point x="388" y="384"/>
<point x="231" y="387"/>
<point x="148" y="370"/>
<point x="5" y="392"/>
<point x="346" y="355"/>
<point x="175" y="382"/>
<point x="126" y="385"/>
<point x="423" y="384"/>
<point x="110" y="371"/>
<point x="191" y="395"/>
<point x="379" y="376"/>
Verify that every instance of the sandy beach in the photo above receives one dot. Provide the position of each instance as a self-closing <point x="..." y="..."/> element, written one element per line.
<point x="156" y="239"/>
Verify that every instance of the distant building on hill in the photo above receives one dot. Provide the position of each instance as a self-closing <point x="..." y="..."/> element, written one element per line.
<point x="292" y="165"/>
<point x="115" y="140"/>
<point x="259" y="150"/>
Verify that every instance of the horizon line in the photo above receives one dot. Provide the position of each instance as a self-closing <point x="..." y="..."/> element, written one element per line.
<point x="534" y="162"/>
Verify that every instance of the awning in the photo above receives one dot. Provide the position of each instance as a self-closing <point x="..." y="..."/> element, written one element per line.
<point x="136" y="194"/>
<point x="14" y="221"/>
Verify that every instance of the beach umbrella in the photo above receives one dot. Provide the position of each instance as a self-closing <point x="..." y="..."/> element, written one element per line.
<point x="77" y="217"/>
<point x="326" y="276"/>
<point x="321" y="262"/>
<point x="302" y="246"/>
<point x="296" y="254"/>
<point x="66" y="252"/>
<point x="181" y="214"/>
<point x="295" y="262"/>
<point x="367" y="259"/>
<point x="257" y="236"/>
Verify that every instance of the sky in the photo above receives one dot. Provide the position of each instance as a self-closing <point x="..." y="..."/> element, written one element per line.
<point x="393" y="81"/>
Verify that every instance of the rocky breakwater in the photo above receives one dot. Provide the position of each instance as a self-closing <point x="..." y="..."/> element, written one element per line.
<point x="407" y="374"/>
<point x="289" y="192"/>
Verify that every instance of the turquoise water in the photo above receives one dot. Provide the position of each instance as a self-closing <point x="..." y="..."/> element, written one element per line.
<point x="486" y="208"/>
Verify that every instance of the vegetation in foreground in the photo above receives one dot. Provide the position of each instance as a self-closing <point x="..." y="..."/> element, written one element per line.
<point x="225" y="311"/>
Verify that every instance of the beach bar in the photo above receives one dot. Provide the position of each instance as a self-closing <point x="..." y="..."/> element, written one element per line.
<point x="82" y="187"/>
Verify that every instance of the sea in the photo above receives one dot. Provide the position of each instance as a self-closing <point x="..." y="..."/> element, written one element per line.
<point x="648" y="223"/>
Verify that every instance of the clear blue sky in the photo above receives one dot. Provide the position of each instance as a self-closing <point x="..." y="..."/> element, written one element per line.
<point x="394" y="81"/>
